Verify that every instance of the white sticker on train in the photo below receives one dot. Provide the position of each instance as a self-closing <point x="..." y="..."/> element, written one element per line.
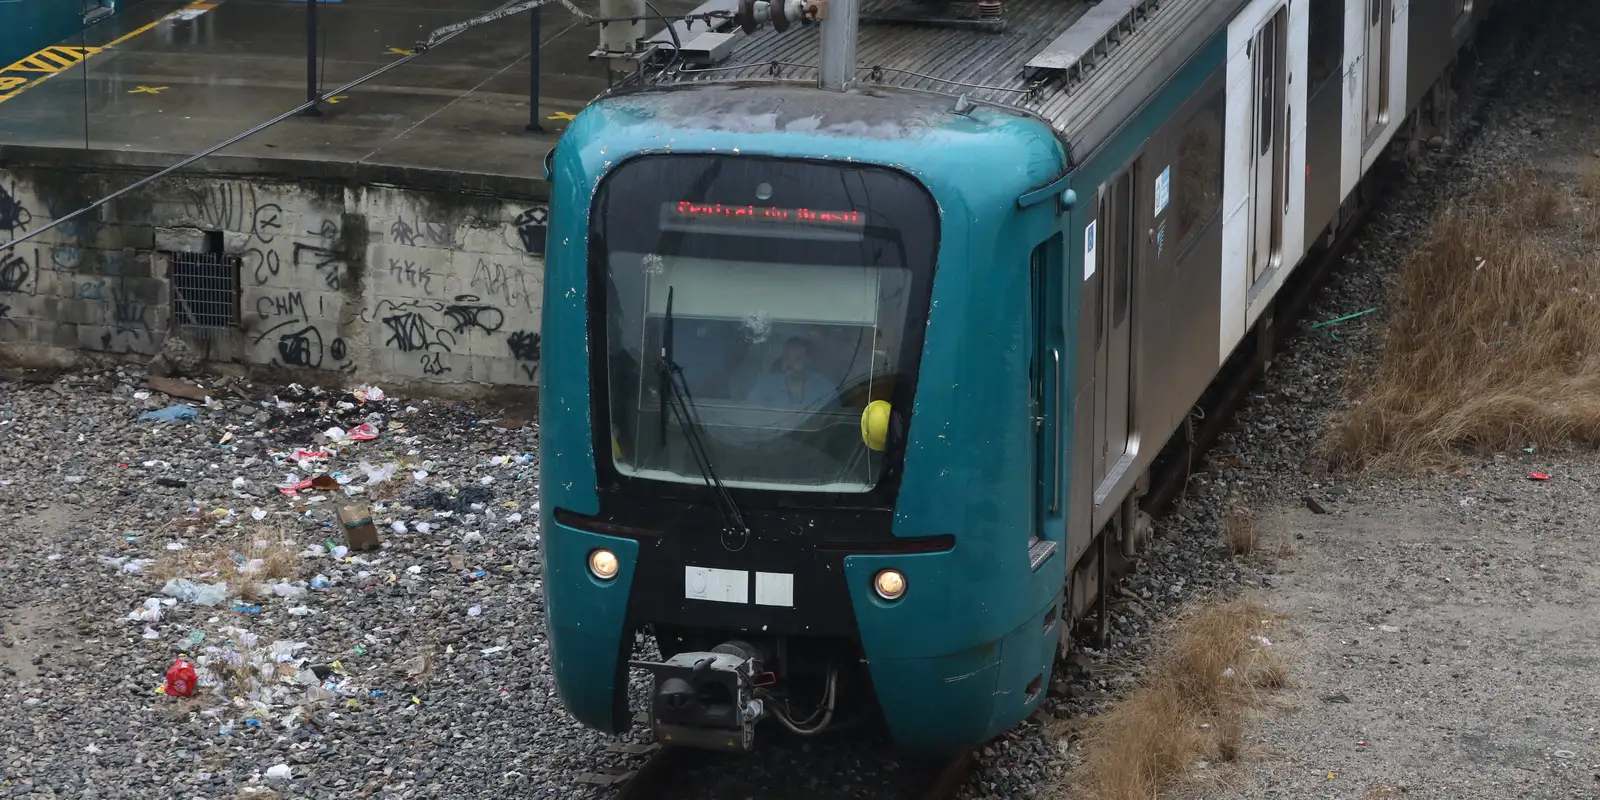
<point x="716" y="585"/>
<point x="1163" y="189"/>
<point x="775" y="589"/>
<point x="1088" y="250"/>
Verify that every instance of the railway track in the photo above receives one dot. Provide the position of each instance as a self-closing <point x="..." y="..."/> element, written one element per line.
<point x="663" y="768"/>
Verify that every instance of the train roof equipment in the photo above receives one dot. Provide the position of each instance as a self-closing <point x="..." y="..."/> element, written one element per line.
<point x="1061" y="60"/>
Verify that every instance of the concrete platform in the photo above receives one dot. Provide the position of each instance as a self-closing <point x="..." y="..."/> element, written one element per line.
<point x="167" y="79"/>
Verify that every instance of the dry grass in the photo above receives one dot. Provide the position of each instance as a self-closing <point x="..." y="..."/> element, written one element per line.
<point x="245" y="559"/>
<point x="1494" y="334"/>
<point x="1240" y="531"/>
<point x="1192" y="707"/>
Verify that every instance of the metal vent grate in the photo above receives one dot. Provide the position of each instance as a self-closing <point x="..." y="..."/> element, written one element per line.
<point x="205" y="289"/>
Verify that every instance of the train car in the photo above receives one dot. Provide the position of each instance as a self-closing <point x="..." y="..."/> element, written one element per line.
<point x="863" y="327"/>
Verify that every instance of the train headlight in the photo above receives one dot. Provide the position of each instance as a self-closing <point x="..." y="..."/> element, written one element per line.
<point x="603" y="564"/>
<point x="889" y="584"/>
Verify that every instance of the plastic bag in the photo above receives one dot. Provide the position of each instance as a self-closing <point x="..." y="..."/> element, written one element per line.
<point x="201" y="594"/>
<point x="171" y="414"/>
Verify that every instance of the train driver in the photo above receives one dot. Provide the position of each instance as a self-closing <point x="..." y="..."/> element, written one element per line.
<point x="793" y="383"/>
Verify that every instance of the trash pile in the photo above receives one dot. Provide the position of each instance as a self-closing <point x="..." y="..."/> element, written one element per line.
<point x="278" y="570"/>
<point x="303" y="414"/>
<point x="325" y="450"/>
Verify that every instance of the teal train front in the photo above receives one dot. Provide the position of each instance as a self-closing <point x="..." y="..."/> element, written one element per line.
<point x="778" y="416"/>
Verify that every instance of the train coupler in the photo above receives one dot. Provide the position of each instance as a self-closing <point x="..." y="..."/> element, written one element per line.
<point x="706" y="699"/>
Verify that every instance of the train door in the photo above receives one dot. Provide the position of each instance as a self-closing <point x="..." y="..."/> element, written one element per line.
<point x="1379" y="20"/>
<point x="1118" y="257"/>
<point x="1048" y="382"/>
<point x="1269" y="153"/>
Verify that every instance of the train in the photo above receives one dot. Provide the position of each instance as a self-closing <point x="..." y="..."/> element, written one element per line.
<point x="865" y="322"/>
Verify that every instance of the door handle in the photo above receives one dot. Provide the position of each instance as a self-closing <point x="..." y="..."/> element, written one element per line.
<point x="1055" y="443"/>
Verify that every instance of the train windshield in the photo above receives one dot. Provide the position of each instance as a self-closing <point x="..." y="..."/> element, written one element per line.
<point x="753" y="309"/>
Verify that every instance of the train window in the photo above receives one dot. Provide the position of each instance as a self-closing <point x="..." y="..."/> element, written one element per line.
<point x="1199" y="192"/>
<point x="1323" y="61"/>
<point x="1122" y="246"/>
<point x="1266" y="59"/>
<point x="749" y="336"/>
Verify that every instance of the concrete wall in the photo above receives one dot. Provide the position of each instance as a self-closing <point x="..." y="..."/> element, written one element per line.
<point x="368" y="282"/>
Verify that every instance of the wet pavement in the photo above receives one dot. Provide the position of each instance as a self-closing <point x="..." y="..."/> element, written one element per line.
<point x="173" y="78"/>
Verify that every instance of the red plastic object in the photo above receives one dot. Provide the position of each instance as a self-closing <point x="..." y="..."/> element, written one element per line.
<point x="180" y="679"/>
<point x="1539" y="476"/>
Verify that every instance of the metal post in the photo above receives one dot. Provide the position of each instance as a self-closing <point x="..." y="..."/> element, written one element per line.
<point x="619" y="40"/>
<point x="838" y="65"/>
<point x="311" y="59"/>
<point x="533" y="73"/>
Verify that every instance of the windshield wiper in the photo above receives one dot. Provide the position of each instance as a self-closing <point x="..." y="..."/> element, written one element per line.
<point x="675" y="389"/>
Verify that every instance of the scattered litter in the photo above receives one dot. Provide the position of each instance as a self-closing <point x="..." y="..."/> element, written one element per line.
<point x="181" y="679"/>
<point x="474" y="611"/>
<point x="247" y="609"/>
<point x="197" y="593"/>
<point x="1564" y="754"/>
<point x="489" y="651"/>
<point x="359" y="532"/>
<point x="363" y="433"/>
<point x="1539" y="476"/>
<point x="151" y="633"/>
<point x="398" y="526"/>
<point x="1388" y="629"/>
<point x="279" y="772"/>
<point x="377" y="475"/>
<point x="300" y="611"/>
<point x="1338" y="320"/>
<point x="170" y="414"/>
<point x="292" y="485"/>
<point x="321" y="582"/>
<point x="171" y="483"/>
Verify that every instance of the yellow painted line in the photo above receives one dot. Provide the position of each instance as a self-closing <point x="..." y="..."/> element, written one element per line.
<point x="28" y="72"/>
<point x="562" y="115"/>
<point x="337" y="98"/>
<point x="400" y="51"/>
<point x="148" y="90"/>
